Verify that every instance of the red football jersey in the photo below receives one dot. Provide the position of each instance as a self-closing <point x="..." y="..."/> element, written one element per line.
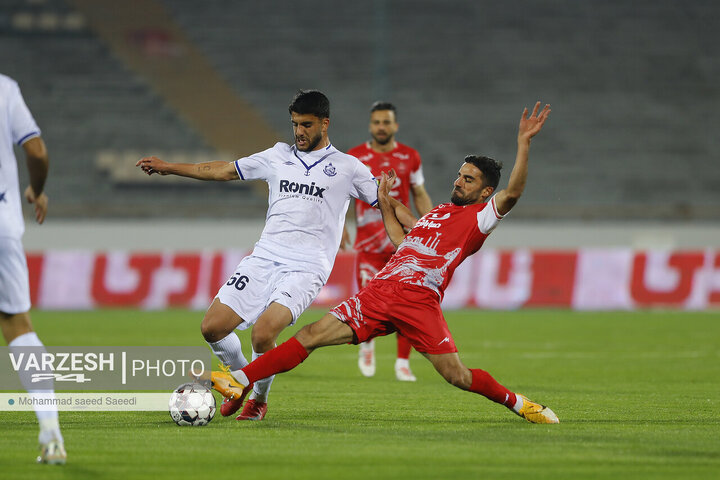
<point x="439" y="242"/>
<point x="371" y="236"/>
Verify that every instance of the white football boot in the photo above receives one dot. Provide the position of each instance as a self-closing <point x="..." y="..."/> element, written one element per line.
<point x="366" y="358"/>
<point x="52" y="453"/>
<point x="403" y="372"/>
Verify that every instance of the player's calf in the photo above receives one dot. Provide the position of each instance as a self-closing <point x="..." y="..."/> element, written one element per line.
<point x="452" y="369"/>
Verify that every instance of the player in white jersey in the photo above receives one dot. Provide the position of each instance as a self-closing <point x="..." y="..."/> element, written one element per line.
<point x="310" y="186"/>
<point x="18" y="127"/>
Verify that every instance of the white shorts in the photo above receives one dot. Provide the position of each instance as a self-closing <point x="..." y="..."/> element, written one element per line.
<point x="14" y="283"/>
<point x="258" y="282"/>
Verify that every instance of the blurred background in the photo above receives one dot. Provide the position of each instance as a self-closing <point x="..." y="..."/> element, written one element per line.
<point x="629" y="158"/>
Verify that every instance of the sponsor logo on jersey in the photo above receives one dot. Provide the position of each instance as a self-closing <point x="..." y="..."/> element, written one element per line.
<point x="401" y="156"/>
<point x="302" y="188"/>
<point x="330" y="170"/>
<point x="431" y="220"/>
<point x="427" y="223"/>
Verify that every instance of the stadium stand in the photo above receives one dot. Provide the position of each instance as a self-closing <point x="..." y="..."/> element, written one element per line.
<point x="632" y="85"/>
<point x="633" y="88"/>
<point x="89" y="106"/>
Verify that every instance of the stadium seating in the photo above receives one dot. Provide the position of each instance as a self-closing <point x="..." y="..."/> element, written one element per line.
<point x="86" y="102"/>
<point x="633" y="88"/>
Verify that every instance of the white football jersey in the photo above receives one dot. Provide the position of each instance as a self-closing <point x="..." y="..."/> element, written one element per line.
<point x="16" y="127"/>
<point x="309" y="195"/>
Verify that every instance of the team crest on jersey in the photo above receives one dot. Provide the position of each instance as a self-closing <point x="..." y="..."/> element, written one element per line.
<point x="330" y="170"/>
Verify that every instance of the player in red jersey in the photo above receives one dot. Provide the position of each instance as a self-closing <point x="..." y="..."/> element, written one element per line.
<point x="381" y="154"/>
<point x="405" y="296"/>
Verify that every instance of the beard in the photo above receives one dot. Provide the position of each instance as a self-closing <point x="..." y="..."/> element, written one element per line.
<point x="383" y="141"/>
<point x="312" y="143"/>
<point x="456" y="199"/>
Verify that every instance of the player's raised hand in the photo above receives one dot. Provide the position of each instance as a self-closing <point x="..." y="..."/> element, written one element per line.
<point x="391" y="177"/>
<point x="152" y="165"/>
<point x="40" y="202"/>
<point x="387" y="180"/>
<point x="530" y="126"/>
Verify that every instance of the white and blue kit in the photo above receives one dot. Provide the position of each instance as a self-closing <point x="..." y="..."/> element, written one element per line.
<point x="17" y="126"/>
<point x="309" y="194"/>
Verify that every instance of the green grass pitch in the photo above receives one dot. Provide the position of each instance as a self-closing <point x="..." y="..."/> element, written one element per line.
<point x="636" y="393"/>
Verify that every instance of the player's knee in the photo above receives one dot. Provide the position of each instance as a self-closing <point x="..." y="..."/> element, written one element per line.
<point x="14" y="325"/>
<point x="263" y="338"/>
<point x="212" y="331"/>
<point x="207" y="331"/>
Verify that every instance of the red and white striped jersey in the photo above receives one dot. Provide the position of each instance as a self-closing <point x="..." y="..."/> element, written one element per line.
<point x="439" y="242"/>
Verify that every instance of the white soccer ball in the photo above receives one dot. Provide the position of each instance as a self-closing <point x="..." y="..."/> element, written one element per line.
<point x="192" y="404"/>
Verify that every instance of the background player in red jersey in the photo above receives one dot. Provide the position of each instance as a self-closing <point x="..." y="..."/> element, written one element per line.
<point x="405" y="296"/>
<point x="381" y="154"/>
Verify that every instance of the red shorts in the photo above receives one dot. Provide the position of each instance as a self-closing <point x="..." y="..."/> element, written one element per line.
<point x="367" y="265"/>
<point x="384" y="307"/>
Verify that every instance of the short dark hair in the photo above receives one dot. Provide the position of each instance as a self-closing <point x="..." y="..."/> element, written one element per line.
<point x="489" y="167"/>
<point x="312" y="102"/>
<point x="380" y="105"/>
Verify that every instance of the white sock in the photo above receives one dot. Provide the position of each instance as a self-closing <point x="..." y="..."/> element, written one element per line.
<point x="402" y="362"/>
<point x="261" y="389"/>
<point x="518" y="403"/>
<point x="49" y="430"/>
<point x="369" y="345"/>
<point x="229" y="351"/>
<point x="240" y="376"/>
<point x="45" y="410"/>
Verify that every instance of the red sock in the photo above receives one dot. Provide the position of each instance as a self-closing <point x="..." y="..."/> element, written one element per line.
<point x="403" y="347"/>
<point x="282" y="358"/>
<point x="484" y="384"/>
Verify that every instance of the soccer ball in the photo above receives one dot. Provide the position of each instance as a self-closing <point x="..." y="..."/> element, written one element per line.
<point x="192" y="404"/>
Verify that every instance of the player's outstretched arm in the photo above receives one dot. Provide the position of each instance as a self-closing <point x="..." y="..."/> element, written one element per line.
<point x="506" y="199"/>
<point x="395" y="215"/>
<point x="220" y="171"/>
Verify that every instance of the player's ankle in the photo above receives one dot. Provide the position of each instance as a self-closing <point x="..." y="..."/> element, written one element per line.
<point x="518" y="403"/>
<point x="240" y="376"/>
